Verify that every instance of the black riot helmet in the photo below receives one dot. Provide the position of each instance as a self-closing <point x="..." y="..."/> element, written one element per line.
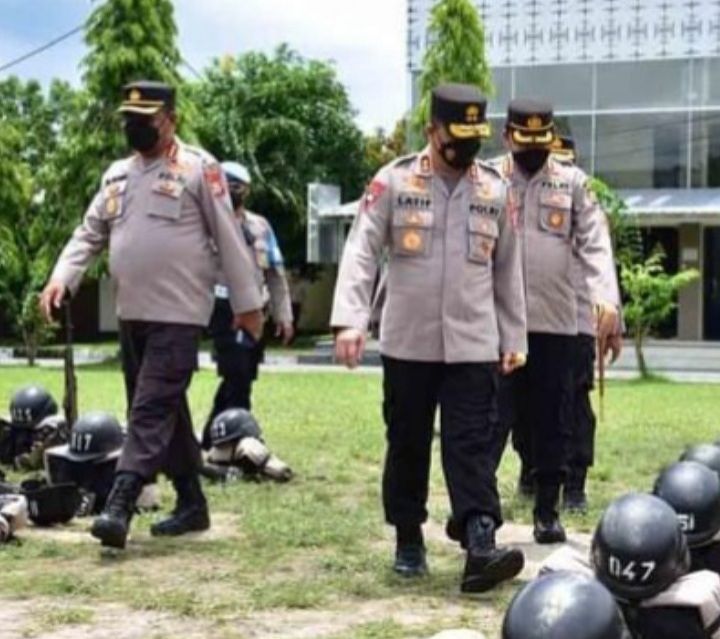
<point x="693" y="490"/>
<point x="94" y="437"/>
<point x="705" y="454"/>
<point x="50" y="505"/>
<point x="30" y="405"/>
<point x="639" y="548"/>
<point x="233" y="425"/>
<point x="563" y="605"/>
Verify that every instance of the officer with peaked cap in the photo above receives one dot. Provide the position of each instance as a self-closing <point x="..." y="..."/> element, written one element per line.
<point x="166" y="216"/>
<point x="560" y="221"/>
<point x="454" y="315"/>
<point x="238" y="355"/>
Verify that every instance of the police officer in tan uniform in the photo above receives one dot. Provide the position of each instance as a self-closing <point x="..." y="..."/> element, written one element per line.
<point x="582" y="444"/>
<point x="165" y="214"/>
<point x="454" y="315"/>
<point x="238" y="355"/>
<point x="559" y="221"/>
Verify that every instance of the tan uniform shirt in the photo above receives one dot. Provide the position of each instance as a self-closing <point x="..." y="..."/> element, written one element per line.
<point x="454" y="280"/>
<point x="560" y="222"/>
<point x="164" y="222"/>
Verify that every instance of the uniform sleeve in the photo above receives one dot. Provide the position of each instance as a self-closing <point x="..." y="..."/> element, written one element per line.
<point x="236" y="260"/>
<point x="87" y="241"/>
<point x="509" y="285"/>
<point x="594" y="248"/>
<point x="363" y="248"/>
<point x="280" y="302"/>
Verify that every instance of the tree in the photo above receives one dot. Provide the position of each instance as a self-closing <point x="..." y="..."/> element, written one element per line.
<point x="290" y="121"/>
<point x="381" y="148"/>
<point x="456" y="54"/>
<point x="31" y="127"/>
<point x="651" y="295"/>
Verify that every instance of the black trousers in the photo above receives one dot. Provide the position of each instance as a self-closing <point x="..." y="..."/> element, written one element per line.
<point x="466" y="395"/>
<point x="158" y="363"/>
<point x="582" y="445"/>
<point x="666" y="622"/>
<point x="534" y="406"/>
<point x="237" y="365"/>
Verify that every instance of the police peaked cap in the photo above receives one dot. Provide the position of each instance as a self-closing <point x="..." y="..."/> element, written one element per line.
<point x="531" y="122"/>
<point x="146" y="97"/>
<point x="461" y="108"/>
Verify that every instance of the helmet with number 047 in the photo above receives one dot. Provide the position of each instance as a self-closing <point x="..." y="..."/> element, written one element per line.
<point x="94" y="437"/>
<point x="233" y="425"/>
<point x="563" y="605"/>
<point x="639" y="548"/>
<point x="30" y="405"/>
<point x="693" y="490"/>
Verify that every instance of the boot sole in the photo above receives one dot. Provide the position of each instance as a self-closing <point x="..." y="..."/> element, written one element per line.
<point x="486" y="577"/>
<point x="110" y="536"/>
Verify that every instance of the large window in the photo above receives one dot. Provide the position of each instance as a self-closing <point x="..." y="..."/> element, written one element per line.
<point x="706" y="149"/>
<point x="642" y="150"/>
<point x="567" y="87"/>
<point x="579" y="128"/>
<point x="706" y="88"/>
<point x="647" y="84"/>
<point x="502" y="78"/>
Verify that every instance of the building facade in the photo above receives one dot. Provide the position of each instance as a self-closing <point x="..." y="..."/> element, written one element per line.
<point x="637" y="84"/>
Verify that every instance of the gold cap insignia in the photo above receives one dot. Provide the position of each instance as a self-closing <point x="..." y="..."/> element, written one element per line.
<point x="534" y="123"/>
<point x="135" y="95"/>
<point x="472" y="114"/>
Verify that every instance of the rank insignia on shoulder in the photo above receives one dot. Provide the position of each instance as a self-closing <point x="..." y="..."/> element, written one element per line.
<point x="373" y="193"/>
<point x="215" y="179"/>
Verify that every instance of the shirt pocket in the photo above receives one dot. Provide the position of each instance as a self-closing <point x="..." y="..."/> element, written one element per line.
<point x="556" y="213"/>
<point x="166" y="200"/>
<point x="412" y="233"/>
<point x="482" y="237"/>
<point x="112" y="204"/>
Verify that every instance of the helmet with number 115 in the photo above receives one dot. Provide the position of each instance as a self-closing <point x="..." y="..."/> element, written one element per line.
<point x="639" y="548"/>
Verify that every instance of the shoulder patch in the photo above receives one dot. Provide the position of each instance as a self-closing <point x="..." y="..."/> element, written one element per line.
<point x="215" y="179"/>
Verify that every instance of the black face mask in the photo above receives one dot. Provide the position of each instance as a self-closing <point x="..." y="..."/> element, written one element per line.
<point x="141" y="136"/>
<point x="237" y="198"/>
<point x="531" y="160"/>
<point x="463" y="152"/>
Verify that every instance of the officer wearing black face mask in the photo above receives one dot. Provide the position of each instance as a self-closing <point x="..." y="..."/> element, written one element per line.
<point x="559" y="221"/>
<point x="166" y="216"/>
<point x="453" y="319"/>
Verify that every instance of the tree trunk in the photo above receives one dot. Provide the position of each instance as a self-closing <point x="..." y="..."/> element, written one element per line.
<point x="642" y="365"/>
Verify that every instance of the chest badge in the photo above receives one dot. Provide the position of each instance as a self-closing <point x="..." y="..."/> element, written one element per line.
<point x="557" y="219"/>
<point x="412" y="241"/>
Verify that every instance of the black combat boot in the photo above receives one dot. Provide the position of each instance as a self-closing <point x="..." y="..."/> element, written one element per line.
<point x="574" y="497"/>
<point x="548" y="529"/>
<point x="410" y="555"/>
<point x="190" y="513"/>
<point x="486" y="564"/>
<point x="111" y="527"/>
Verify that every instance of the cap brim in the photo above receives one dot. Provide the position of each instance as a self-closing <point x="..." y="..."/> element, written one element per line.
<point x="466" y="131"/>
<point x="541" y="138"/>
<point x="141" y="108"/>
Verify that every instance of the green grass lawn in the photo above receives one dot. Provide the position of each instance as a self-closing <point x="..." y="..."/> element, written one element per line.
<point x="319" y="543"/>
